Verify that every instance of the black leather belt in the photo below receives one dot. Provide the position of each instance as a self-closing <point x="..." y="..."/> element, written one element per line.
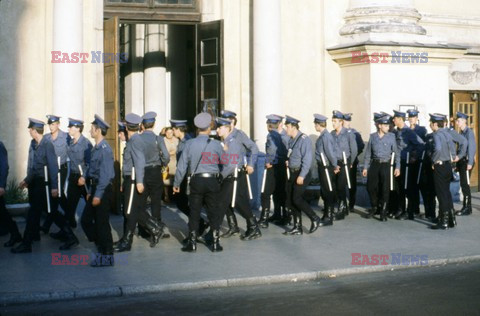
<point x="205" y="175"/>
<point x="439" y="162"/>
<point x="294" y="169"/>
<point x="153" y="167"/>
<point x="381" y="160"/>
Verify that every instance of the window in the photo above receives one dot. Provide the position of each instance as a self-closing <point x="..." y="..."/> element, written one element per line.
<point x="153" y="10"/>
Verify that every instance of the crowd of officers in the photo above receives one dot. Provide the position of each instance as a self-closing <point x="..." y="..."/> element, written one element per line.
<point x="400" y="161"/>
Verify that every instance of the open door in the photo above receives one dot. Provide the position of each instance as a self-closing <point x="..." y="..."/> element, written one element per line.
<point x="462" y="102"/>
<point x="111" y="98"/>
<point x="209" y="60"/>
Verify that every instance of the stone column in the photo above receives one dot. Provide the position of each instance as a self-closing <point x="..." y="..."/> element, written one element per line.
<point x="155" y="73"/>
<point x="135" y="33"/>
<point x="68" y="77"/>
<point x="266" y="65"/>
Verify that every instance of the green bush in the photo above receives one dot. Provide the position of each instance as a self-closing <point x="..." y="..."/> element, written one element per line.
<point x="14" y="194"/>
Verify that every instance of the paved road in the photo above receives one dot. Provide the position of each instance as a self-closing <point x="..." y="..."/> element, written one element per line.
<point x="442" y="290"/>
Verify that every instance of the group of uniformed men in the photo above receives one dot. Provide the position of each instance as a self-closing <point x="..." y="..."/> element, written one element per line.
<point x="399" y="162"/>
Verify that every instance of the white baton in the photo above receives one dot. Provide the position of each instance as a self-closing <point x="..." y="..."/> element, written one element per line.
<point x="347" y="171"/>
<point x="326" y="172"/>
<point x="81" y="175"/>
<point x="132" y="188"/>
<point x="406" y="171"/>
<point x="264" y="178"/>
<point x="468" y="177"/>
<point x="391" y="171"/>
<point x="235" y="175"/>
<point x="248" y="179"/>
<point x="59" y="180"/>
<point x="46" y="188"/>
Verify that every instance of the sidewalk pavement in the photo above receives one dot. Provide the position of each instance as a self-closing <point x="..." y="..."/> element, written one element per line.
<point x="27" y="278"/>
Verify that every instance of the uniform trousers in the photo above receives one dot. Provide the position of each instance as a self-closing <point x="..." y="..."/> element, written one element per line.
<point x="95" y="220"/>
<point x="295" y="194"/>
<point x="205" y="191"/>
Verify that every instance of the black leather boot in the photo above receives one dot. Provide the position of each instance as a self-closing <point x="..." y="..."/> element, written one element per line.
<point x="206" y="239"/>
<point x="468" y="207"/>
<point x="452" y="221"/>
<point x="155" y="230"/>
<point x="328" y="220"/>
<point x="342" y="208"/>
<point x="315" y="224"/>
<point x="60" y="235"/>
<point x="232" y="226"/>
<point x="383" y="213"/>
<point x="125" y="243"/>
<point x="372" y="212"/>
<point x="442" y="221"/>
<point x="202" y="226"/>
<point x="253" y="231"/>
<point x="263" y="222"/>
<point x="276" y="217"/>
<point x="14" y="237"/>
<point x="464" y="207"/>
<point x="191" y="245"/>
<point x="286" y="217"/>
<point x="215" y="246"/>
<point x="297" y="226"/>
<point x="71" y="240"/>
<point x="24" y="247"/>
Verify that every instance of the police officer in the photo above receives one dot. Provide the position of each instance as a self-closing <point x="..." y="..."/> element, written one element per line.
<point x="353" y="170"/>
<point x="156" y="156"/>
<point x="79" y="151"/>
<point x="4" y="214"/>
<point x="280" y="215"/>
<point x="408" y="142"/>
<point x="234" y="190"/>
<point x="198" y="160"/>
<point x="377" y="166"/>
<point x="299" y="161"/>
<point x="133" y="188"/>
<point x="59" y="140"/>
<point x="346" y="149"/>
<point x="42" y="162"/>
<point x="421" y="131"/>
<point x="275" y="172"/>
<point x="442" y="170"/>
<point x="100" y="174"/>
<point x="326" y="158"/>
<point x="248" y="152"/>
<point x="466" y="164"/>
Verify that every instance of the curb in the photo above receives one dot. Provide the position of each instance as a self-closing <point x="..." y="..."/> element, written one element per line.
<point x="36" y="297"/>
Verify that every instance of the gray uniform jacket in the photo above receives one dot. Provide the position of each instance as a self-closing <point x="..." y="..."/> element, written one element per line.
<point x="200" y="155"/>
<point x="471" y="146"/>
<point x="60" y="144"/>
<point x="345" y="142"/>
<point x="156" y="153"/>
<point x="40" y="155"/>
<point x="301" y="153"/>
<point x="101" y="167"/>
<point x="249" y="146"/>
<point x="382" y="149"/>
<point x="325" y="145"/>
<point x="134" y="156"/>
<point x="79" y="153"/>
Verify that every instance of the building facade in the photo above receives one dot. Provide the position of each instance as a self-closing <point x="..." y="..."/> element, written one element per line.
<point x="255" y="56"/>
